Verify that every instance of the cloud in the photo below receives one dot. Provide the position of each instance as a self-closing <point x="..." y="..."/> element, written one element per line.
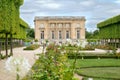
<point x="95" y="11"/>
<point x="52" y="5"/>
<point x="117" y="1"/>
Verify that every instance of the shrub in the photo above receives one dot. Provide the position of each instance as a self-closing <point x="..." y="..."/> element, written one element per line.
<point x="36" y="40"/>
<point x="2" y="56"/>
<point x="32" y="47"/>
<point x="118" y="55"/>
<point x="106" y="47"/>
<point x="52" y="66"/>
<point x="89" y="47"/>
<point x="50" y="47"/>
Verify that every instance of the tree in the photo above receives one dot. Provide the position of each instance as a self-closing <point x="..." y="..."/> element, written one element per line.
<point x="10" y="21"/>
<point x="89" y="35"/>
<point x="30" y="33"/>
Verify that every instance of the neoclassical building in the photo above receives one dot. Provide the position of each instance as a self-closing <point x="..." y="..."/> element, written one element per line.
<point x="59" y="28"/>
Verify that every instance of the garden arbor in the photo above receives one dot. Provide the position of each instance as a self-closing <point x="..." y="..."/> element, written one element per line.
<point x="11" y="25"/>
<point x="110" y="31"/>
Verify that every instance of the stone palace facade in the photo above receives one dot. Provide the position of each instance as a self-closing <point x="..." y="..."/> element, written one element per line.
<point x="59" y="29"/>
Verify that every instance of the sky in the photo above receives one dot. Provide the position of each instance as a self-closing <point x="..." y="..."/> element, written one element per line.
<point x="94" y="11"/>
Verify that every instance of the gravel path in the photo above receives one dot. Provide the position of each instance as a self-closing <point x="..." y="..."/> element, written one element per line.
<point x="30" y="55"/>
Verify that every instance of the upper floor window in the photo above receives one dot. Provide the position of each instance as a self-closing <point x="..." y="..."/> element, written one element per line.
<point x="60" y="35"/>
<point x="42" y="34"/>
<point x="78" y="25"/>
<point x="52" y="25"/>
<point x="53" y="36"/>
<point x="42" y="25"/>
<point x="60" y="25"/>
<point x="78" y="34"/>
<point x="67" y="35"/>
<point x="67" y="25"/>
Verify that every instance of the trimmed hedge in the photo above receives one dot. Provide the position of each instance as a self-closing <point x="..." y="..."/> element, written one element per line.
<point x="110" y="29"/>
<point x="109" y="21"/>
<point x="32" y="47"/>
<point x="90" y="56"/>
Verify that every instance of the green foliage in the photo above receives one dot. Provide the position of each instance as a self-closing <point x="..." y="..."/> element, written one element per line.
<point x="36" y="40"/>
<point x="109" y="21"/>
<point x="110" y="28"/>
<point x="32" y="47"/>
<point x="52" y="66"/>
<point x="10" y="22"/>
<point x="105" y="47"/>
<point x="30" y="33"/>
<point x="92" y="35"/>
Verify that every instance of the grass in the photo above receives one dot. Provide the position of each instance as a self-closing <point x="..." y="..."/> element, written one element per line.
<point x="96" y="62"/>
<point x="100" y="69"/>
<point x="106" y="72"/>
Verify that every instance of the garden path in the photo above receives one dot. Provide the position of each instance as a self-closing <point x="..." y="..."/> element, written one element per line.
<point x="30" y="55"/>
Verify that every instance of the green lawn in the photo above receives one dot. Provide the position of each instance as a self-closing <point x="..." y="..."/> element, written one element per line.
<point x="96" y="62"/>
<point x="102" y="69"/>
<point x="103" y="72"/>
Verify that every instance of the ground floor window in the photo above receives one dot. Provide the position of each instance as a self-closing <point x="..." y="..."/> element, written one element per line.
<point x="78" y="34"/>
<point x="53" y="36"/>
<point x="60" y="35"/>
<point x="67" y="35"/>
<point x="42" y="34"/>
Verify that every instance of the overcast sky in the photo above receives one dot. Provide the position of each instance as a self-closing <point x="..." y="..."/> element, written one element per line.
<point x="94" y="11"/>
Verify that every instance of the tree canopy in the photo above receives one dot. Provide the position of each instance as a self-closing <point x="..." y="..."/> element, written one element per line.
<point x="10" y="22"/>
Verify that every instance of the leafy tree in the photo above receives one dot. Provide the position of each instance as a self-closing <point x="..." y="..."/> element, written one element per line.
<point x="30" y="33"/>
<point x="89" y="34"/>
<point x="9" y="21"/>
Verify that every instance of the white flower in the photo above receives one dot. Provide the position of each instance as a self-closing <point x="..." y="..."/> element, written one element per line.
<point x="90" y="78"/>
<point x="17" y="65"/>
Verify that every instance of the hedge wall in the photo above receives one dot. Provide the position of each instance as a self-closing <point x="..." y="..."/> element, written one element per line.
<point x="109" y="21"/>
<point x="110" y="29"/>
<point x="10" y="22"/>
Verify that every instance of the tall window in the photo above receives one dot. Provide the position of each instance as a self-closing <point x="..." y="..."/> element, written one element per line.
<point x="52" y="25"/>
<point x="53" y="36"/>
<point x="42" y="34"/>
<point x="67" y="25"/>
<point x="60" y="35"/>
<point x="60" y="25"/>
<point x="41" y="25"/>
<point x="78" y="34"/>
<point x="67" y="35"/>
<point x="78" y="25"/>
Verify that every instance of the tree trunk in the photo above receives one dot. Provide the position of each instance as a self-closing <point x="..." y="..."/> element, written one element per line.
<point x="6" y="44"/>
<point x="11" y="45"/>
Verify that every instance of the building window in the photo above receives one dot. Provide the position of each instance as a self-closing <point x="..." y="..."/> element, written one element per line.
<point x="52" y="25"/>
<point x="60" y="35"/>
<point x="42" y="25"/>
<point x="42" y="34"/>
<point x="67" y="35"/>
<point x="60" y="25"/>
<point x="78" y="34"/>
<point x="67" y="25"/>
<point x="78" y="25"/>
<point x="53" y="36"/>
